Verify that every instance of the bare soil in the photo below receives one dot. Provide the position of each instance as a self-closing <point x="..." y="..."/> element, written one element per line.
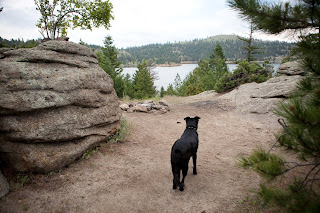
<point x="135" y="175"/>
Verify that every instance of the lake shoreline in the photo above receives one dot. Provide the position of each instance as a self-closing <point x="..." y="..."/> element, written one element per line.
<point x="195" y="62"/>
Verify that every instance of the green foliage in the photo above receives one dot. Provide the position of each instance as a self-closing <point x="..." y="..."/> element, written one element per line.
<point x="278" y="17"/>
<point x="205" y="76"/>
<point x="88" y="153"/>
<point x="292" y="199"/>
<point x="267" y="164"/>
<point x="59" y="15"/>
<point x="128" y="89"/>
<point x="194" y="51"/>
<point x="244" y="73"/>
<point x="218" y="64"/>
<point x="108" y="61"/>
<point x="18" y="43"/>
<point x="143" y="82"/>
<point x="177" y="83"/>
<point x="19" y="181"/>
<point x="250" y="49"/>
<point x="162" y="92"/>
<point x="122" y="134"/>
<point x="302" y="110"/>
<point x="170" y="90"/>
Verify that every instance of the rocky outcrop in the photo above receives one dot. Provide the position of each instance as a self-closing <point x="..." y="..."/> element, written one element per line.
<point x="263" y="97"/>
<point x="55" y="103"/>
<point x="291" y="68"/>
<point x="148" y="106"/>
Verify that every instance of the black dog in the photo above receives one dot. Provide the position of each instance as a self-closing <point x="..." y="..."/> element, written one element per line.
<point x="182" y="150"/>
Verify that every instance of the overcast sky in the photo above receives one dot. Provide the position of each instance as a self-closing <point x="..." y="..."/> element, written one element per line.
<point x="137" y="22"/>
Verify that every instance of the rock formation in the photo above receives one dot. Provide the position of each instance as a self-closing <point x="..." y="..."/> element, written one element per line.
<point x="55" y="103"/>
<point x="263" y="97"/>
<point x="291" y="68"/>
<point x="148" y="106"/>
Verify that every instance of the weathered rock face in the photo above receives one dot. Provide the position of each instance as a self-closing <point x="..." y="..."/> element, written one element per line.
<point x="291" y="68"/>
<point x="55" y="103"/>
<point x="4" y="186"/>
<point x="262" y="98"/>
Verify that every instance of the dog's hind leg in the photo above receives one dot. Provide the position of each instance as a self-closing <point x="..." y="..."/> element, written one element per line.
<point x="184" y="173"/>
<point x="176" y="177"/>
<point x="194" y="158"/>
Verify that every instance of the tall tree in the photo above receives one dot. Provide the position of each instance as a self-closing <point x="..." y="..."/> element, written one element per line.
<point x="302" y="111"/>
<point x="108" y="61"/>
<point x="58" y="15"/>
<point x="251" y="49"/>
<point x="143" y="82"/>
<point x="177" y="82"/>
<point x="218" y="63"/>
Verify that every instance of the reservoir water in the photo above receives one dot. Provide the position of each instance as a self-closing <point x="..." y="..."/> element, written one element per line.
<point x="166" y="75"/>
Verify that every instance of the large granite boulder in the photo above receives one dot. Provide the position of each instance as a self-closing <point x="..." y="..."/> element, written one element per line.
<point x="55" y="103"/>
<point x="263" y="97"/>
<point x="291" y="68"/>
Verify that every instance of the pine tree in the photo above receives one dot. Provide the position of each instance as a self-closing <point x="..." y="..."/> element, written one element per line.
<point x="251" y="49"/>
<point x="143" y="82"/>
<point x="108" y="61"/>
<point x="162" y="92"/>
<point x="302" y="110"/>
<point x="177" y="82"/>
<point x="218" y="63"/>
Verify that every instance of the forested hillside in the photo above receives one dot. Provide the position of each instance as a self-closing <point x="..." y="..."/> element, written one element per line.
<point x="19" y="43"/>
<point x="202" y="48"/>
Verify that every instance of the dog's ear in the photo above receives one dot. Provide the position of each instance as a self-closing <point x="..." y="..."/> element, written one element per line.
<point x="186" y="118"/>
<point x="197" y="117"/>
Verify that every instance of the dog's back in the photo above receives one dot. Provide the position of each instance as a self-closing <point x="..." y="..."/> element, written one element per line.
<point x="186" y="146"/>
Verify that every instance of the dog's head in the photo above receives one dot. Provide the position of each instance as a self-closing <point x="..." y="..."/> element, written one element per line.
<point x="192" y="122"/>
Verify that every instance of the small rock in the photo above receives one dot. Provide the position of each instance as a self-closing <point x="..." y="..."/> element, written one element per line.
<point x="163" y="103"/>
<point x="130" y="110"/>
<point x="148" y="102"/>
<point x="157" y="107"/>
<point x="124" y="107"/>
<point x="140" y="108"/>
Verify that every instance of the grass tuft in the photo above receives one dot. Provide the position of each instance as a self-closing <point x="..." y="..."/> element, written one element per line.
<point x="270" y="165"/>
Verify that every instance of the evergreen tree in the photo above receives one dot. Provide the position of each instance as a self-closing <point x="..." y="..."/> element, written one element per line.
<point x="302" y="111"/>
<point x="251" y="50"/>
<point x="177" y="82"/>
<point x="108" y="61"/>
<point x="170" y="90"/>
<point x="128" y="86"/>
<point x="143" y="82"/>
<point x="218" y="63"/>
<point x="162" y="92"/>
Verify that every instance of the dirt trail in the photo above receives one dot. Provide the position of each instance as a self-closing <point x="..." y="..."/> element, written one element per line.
<point x="135" y="176"/>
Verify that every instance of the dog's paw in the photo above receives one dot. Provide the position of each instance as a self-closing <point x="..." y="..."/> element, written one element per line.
<point x="181" y="188"/>
<point x="195" y="172"/>
<point x="174" y="187"/>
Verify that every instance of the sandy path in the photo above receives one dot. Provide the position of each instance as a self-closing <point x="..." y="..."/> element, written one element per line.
<point x="135" y="176"/>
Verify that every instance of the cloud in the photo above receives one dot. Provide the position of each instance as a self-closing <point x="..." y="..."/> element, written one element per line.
<point x="136" y="22"/>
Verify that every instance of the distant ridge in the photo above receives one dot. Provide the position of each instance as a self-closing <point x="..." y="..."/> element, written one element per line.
<point x="221" y="38"/>
<point x="197" y="49"/>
